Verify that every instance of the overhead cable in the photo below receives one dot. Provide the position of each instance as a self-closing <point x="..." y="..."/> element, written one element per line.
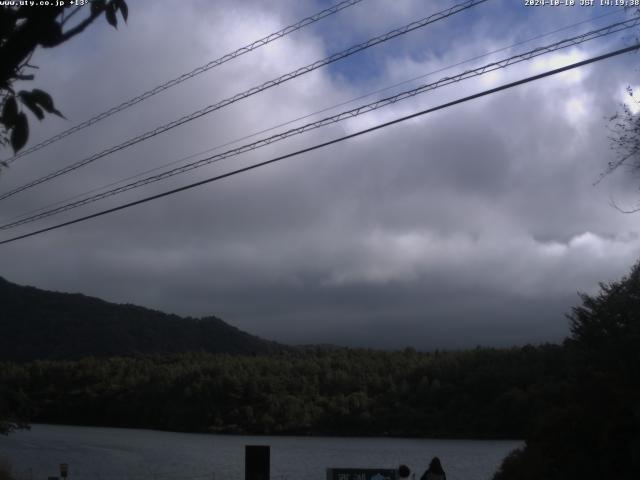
<point x="330" y="142"/>
<point x="501" y="64"/>
<point x="252" y="91"/>
<point x="309" y="115"/>
<point x="196" y="71"/>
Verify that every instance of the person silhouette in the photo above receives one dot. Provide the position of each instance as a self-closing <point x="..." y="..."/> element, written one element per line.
<point x="435" y="471"/>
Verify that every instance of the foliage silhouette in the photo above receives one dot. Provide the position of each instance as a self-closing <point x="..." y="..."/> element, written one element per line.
<point x="593" y="430"/>
<point x="22" y="30"/>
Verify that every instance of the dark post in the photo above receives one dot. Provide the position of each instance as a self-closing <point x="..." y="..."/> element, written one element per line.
<point x="257" y="462"/>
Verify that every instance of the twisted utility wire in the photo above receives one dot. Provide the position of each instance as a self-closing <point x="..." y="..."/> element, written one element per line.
<point x="501" y="64"/>
<point x="309" y="115"/>
<point x="197" y="71"/>
<point x="330" y="142"/>
<point x="252" y="91"/>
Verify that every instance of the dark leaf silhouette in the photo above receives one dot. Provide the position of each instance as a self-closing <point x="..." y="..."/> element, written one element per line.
<point x="110" y="15"/>
<point x="124" y="9"/>
<point x="51" y="35"/>
<point x="29" y="102"/>
<point x="20" y="132"/>
<point x="10" y="112"/>
<point x="43" y="99"/>
<point x="97" y="6"/>
<point x="24" y="29"/>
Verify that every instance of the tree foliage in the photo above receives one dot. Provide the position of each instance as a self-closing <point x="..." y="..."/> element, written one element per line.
<point x="23" y="29"/>
<point x="595" y="431"/>
<point x="482" y="393"/>
<point x="15" y="409"/>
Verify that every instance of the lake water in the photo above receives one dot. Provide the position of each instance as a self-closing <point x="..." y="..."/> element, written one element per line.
<point x="123" y="454"/>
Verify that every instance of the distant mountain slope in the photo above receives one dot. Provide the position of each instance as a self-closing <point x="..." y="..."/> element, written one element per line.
<point x="39" y="324"/>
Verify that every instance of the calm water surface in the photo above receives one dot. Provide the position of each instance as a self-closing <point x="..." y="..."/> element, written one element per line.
<point x="123" y="454"/>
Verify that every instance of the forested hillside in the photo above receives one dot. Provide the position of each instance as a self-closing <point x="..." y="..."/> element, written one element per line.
<point x="576" y="404"/>
<point x="38" y="324"/>
<point x="478" y="393"/>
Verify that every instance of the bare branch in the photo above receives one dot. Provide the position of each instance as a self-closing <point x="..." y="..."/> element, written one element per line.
<point x="614" y="204"/>
<point x="82" y="25"/>
<point x="68" y="17"/>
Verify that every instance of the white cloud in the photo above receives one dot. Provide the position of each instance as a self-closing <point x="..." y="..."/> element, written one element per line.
<point x="487" y="207"/>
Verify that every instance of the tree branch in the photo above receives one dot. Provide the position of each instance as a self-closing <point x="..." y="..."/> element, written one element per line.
<point x="81" y="26"/>
<point x="613" y="203"/>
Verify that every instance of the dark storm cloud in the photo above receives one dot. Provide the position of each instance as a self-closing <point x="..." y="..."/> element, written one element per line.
<point x="474" y="225"/>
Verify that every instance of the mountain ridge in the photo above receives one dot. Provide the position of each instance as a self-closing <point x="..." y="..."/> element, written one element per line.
<point x="43" y="324"/>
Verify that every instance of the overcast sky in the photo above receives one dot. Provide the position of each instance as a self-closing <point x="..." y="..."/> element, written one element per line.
<point x="475" y="225"/>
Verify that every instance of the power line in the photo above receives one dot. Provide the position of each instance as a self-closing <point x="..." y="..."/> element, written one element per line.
<point x="504" y="63"/>
<point x="317" y="112"/>
<point x="330" y="142"/>
<point x="252" y="91"/>
<point x="197" y="71"/>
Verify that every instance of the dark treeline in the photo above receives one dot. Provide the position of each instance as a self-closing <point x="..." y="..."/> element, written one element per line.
<point x="576" y="404"/>
<point x="486" y="393"/>
<point x="592" y="430"/>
